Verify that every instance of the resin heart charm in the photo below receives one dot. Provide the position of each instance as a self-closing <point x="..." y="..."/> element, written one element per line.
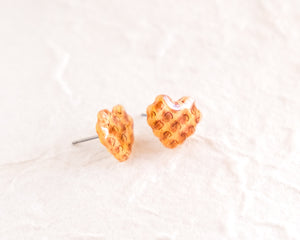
<point x="115" y="131"/>
<point x="173" y="122"/>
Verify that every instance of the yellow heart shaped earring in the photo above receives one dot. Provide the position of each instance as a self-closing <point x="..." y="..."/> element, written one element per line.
<point x="115" y="131"/>
<point x="173" y="121"/>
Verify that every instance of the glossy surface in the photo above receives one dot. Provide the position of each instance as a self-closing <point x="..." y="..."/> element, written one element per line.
<point x="173" y="121"/>
<point x="115" y="131"/>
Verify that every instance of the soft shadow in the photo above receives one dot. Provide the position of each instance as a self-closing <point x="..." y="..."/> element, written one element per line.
<point x="147" y="147"/>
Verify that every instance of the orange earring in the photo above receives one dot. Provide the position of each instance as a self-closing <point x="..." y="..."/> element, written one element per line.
<point x="173" y="121"/>
<point x="115" y="131"/>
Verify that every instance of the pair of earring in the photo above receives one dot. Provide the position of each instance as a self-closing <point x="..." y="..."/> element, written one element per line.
<point x="171" y="121"/>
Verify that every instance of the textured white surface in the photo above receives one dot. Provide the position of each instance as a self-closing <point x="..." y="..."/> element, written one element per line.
<point x="236" y="178"/>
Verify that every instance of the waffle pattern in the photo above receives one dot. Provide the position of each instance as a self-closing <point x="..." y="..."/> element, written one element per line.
<point x="115" y="131"/>
<point x="173" y="122"/>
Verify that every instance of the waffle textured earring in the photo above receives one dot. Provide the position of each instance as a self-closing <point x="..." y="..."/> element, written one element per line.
<point x="173" y="121"/>
<point x="115" y="131"/>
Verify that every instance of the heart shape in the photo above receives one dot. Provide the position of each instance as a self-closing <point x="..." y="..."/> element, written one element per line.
<point x="115" y="131"/>
<point x="173" y="121"/>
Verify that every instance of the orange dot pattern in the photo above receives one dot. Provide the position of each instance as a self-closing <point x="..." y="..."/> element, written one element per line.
<point x="173" y="121"/>
<point x="115" y="131"/>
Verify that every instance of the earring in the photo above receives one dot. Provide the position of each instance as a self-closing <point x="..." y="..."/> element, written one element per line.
<point x="115" y="131"/>
<point x="173" y="121"/>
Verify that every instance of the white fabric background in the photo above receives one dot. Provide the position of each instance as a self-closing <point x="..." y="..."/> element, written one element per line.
<point x="237" y="177"/>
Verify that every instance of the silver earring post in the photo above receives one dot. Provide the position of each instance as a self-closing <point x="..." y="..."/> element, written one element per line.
<point x="85" y="139"/>
<point x="96" y="136"/>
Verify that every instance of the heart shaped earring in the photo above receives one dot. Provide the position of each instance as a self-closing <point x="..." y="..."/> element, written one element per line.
<point x="115" y="131"/>
<point x="173" y="121"/>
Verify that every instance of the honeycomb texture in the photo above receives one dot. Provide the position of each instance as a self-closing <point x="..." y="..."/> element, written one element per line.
<point x="115" y="131"/>
<point x="173" y="122"/>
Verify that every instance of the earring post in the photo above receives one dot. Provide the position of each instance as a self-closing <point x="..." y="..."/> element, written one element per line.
<point x="85" y="139"/>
